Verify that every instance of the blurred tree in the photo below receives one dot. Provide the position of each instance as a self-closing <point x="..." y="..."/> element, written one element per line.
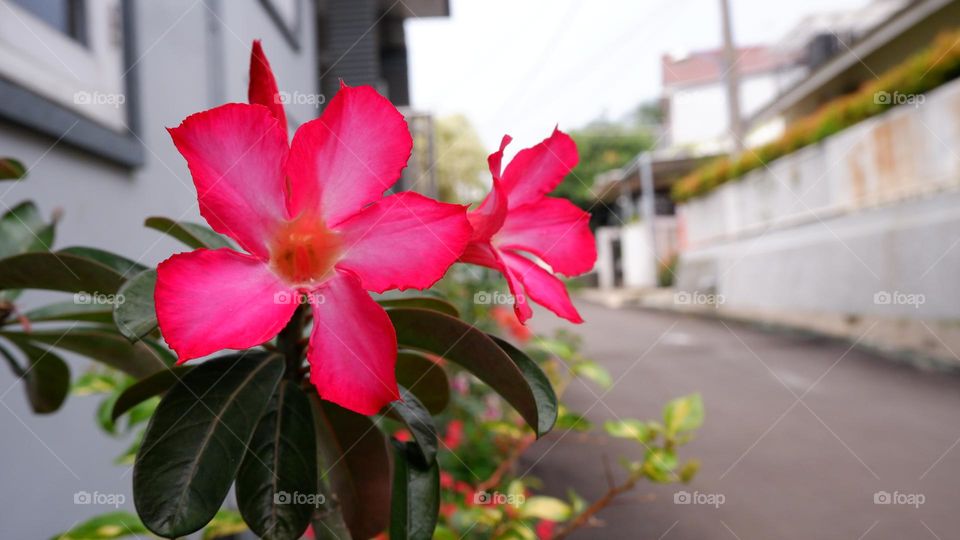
<point x="461" y="166"/>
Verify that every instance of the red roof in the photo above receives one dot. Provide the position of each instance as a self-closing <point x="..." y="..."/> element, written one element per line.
<point x="707" y="66"/>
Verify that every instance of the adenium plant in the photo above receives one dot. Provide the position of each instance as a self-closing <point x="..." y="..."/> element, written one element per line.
<point x="301" y="366"/>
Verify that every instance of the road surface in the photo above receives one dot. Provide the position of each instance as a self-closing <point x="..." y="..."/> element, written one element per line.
<point x="802" y="434"/>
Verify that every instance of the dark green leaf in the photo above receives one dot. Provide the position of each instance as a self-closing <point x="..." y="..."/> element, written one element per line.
<point x="357" y="468"/>
<point x="191" y="234"/>
<point x="539" y="384"/>
<point x="197" y="438"/>
<point x="136" y="315"/>
<point x="136" y="359"/>
<point x="23" y="229"/>
<point x="106" y="526"/>
<point x="47" y="379"/>
<point x="71" y="311"/>
<point x="277" y="481"/>
<point x="462" y="343"/>
<point x="58" y="272"/>
<point x="423" y="302"/>
<point x="146" y="388"/>
<point x="416" y="495"/>
<point x="11" y="169"/>
<point x="120" y="264"/>
<point x="418" y="420"/>
<point x="425" y="379"/>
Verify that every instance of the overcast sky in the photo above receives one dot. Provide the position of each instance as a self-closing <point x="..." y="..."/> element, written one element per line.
<point x="521" y="66"/>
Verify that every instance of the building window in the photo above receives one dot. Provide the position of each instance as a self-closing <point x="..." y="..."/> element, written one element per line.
<point x="286" y="15"/>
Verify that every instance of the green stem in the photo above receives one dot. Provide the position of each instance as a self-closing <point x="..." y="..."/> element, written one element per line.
<point x="290" y="341"/>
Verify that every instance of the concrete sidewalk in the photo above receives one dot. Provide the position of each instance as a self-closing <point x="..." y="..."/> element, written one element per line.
<point x="801" y="433"/>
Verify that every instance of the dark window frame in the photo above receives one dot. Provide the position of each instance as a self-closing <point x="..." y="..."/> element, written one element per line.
<point x="291" y="34"/>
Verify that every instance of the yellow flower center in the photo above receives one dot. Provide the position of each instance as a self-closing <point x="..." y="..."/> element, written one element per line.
<point x="304" y="251"/>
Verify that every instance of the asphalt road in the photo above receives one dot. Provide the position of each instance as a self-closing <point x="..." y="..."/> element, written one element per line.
<point x="801" y="434"/>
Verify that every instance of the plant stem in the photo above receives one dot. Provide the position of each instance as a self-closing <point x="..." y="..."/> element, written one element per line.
<point x="584" y="517"/>
<point x="290" y="344"/>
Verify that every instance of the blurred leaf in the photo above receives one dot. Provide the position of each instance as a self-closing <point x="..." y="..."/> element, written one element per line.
<point x="129" y="456"/>
<point x="572" y="420"/>
<point x="146" y="388"/>
<point x="71" y="311"/>
<point x="689" y="470"/>
<point x="58" y="271"/>
<point x="226" y="523"/>
<point x="277" y="481"/>
<point x="421" y="426"/>
<point x="120" y="264"/>
<point x="593" y="371"/>
<point x="136" y="315"/>
<point x="659" y="464"/>
<point x="47" y="379"/>
<point x="11" y="169"/>
<point x="416" y="494"/>
<point x="185" y="468"/>
<point x="97" y="381"/>
<point x="111" y="525"/>
<point x="542" y="507"/>
<point x="191" y="234"/>
<point x="136" y="359"/>
<point x="577" y="503"/>
<point x="627" y="429"/>
<point x="683" y="414"/>
<point x="425" y="379"/>
<point x="460" y="342"/>
<point x="423" y="302"/>
<point x="23" y="229"/>
<point x="358" y="468"/>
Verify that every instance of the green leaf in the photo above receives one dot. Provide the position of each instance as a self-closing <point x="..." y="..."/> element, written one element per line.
<point x="105" y="526"/>
<point x="421" y="426"/>
<point x="422" y="302"/>
<point x="227" y="523"/>
<point x="191" y="234"/>
<point x="573" y="421"/>
<point x="120" y="264"/>
<point x="71" y="311"/>
<point x="23" y="229"/>
<point x="58" y="271"/>
<point x="146" y="388"/>
<point x="542" y="507"/>
<point x="659" y="464"/>
<point x="357" y="467"/>
<point x="627" y="429"/>
<point x="136" y="359"/>
<point x="136" y="315"/>
<point x="416" y="494"/>
<point x="11" y="169"/>
<point x="547" y="407"/>
<point x="459" y="342"/>
<point x="592" y="371"/>
<point x="425" y="379"/>
<point x="194" y="445"/>
<point x="689" y="470"/>
<point x="683" y="414"/>
<point x="277" y="481"/>
<point x="47" y="379"/>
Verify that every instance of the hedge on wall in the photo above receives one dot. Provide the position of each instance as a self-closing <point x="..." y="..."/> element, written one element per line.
<point x="937" y="64"/>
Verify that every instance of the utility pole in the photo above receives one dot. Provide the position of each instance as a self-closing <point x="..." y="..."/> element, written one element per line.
<point x="731" y="79"/>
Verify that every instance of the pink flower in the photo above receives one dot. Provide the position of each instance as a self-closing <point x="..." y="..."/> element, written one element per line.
<point x="545" y="529"/>
<point x="517" y="217"/>
<point x="312" y="220"/>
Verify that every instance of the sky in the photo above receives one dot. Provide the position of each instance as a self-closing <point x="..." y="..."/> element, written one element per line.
<point x="523" y="66"/>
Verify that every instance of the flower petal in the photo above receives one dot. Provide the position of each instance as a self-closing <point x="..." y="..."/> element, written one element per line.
<point x="402" y="241"/>
<point x="353" y="347"/>
<point x="208" y="300"/>
<point x="541" y="286"/>
<point x="488" y="217"/>
<point x="236" y="155"/>
<point x="555" y="230"/>
<point x="263" y="86"/>
<point x="348" y="157"/>
<point x="535" y="171"/>
<point x="483" y="254"/>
